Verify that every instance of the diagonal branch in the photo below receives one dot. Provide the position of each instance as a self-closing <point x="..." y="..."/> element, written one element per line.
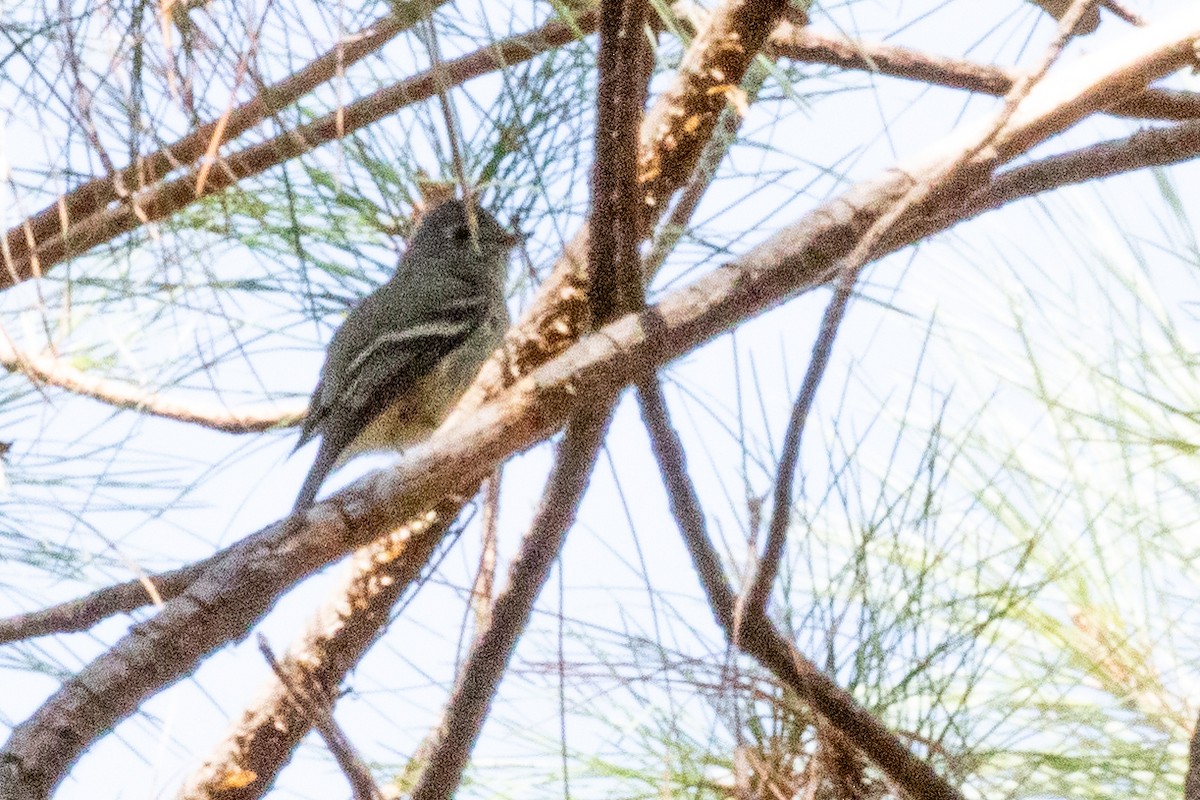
<point x="492" y="651"/>
<point x="165" y="199"/>
<point x="757" y="636"/>
<point x="315" y="704"/>
<point x="84" y="612"/>
<point x="1147" y="148"/>
<point x="97" y="193"/>
<point x="262" y="738"/>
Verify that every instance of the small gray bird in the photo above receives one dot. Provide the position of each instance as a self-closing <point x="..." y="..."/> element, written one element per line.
<point x="405" y="354"/>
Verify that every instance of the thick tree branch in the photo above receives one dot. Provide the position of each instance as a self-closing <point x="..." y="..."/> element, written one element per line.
<point x="624" y="65"/>
<point x="55" y="372"/>
<point x="262" y="738"/>
<point x="223" y="604"/>
<point x="491" y="653"/>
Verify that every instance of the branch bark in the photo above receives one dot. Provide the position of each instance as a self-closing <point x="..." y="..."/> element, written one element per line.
<point x="491" y="652"/>
<point x="625" y="64"/>
<point x="1191" y="779"/>
<point x="315" y="703"/>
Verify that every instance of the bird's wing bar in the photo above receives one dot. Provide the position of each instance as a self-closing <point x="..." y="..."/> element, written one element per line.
<point x="384" y="370"/>
<point x="394" y="358"/>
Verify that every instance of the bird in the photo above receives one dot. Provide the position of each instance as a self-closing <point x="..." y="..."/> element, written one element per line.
<point x="405" y="355"/>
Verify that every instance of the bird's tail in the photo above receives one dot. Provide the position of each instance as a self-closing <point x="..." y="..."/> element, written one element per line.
<point x="327" y="457"/>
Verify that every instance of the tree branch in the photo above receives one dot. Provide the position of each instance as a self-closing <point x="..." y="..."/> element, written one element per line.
<point x="1191" y="779"/>
<point x="55" y="372"/>
<point x="802" y="43"/>
<point x="1147" y="148"/>
<point x="160" y="201"/>
<point x="315" y="703"/>
<point x="97" y="193"/>
<point x="82" y="613"/>
<point x="492" y="651"/>
<point x="760" y="638"/>
<point x="625" y="63"/>
<point x="263" y="737"/>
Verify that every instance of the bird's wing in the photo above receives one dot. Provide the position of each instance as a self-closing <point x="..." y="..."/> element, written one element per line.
<point x="387" y="366"/>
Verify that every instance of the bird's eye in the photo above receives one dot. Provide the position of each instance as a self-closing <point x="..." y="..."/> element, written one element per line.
<point x="461" y="234"/>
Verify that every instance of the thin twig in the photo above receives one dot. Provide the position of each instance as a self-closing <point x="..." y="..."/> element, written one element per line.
<point x="754" y="601"/>
<point x="453" y="130"/>
<point x="485" y="575"/>
<point x="42" y="369"/>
